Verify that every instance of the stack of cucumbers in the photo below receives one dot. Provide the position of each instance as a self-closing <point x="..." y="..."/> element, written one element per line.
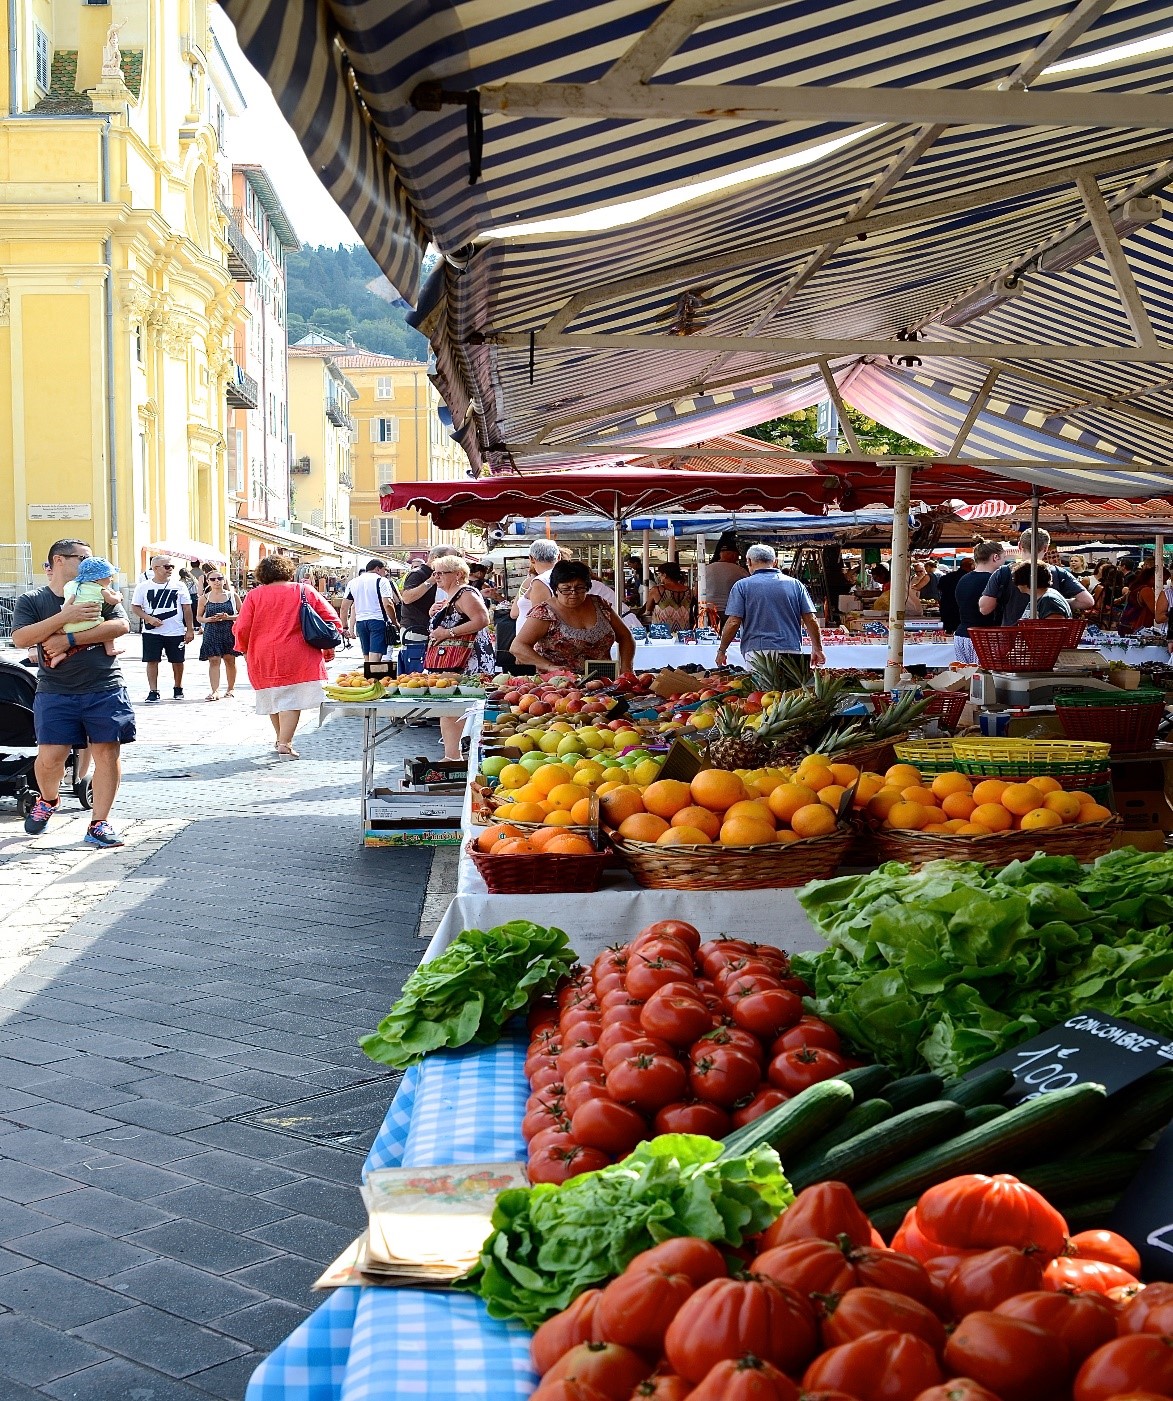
<point x="890" y="1139"/>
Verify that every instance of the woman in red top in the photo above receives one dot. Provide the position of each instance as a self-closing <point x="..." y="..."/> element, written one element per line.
<point x="283" y="669"/>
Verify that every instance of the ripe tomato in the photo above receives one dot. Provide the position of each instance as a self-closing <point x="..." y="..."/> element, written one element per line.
<point x="587" y="1072"/>
<point x="557" y="1133"/>
<point x="638" y="1045"/>
<point x="612" y="960"/>
<point x="768" y="1012"/>
<point x="647" y="1081"/>
<point x="619" y="998"/>
<point x="673" y="929"/>
<point x="677" y="1014"/>
<point x="745" y="1379"/>
<point x="571" y="994"/>
<point x="580" y="1053"/>
<point x="715" y="953"/>
<point x="645" y="975"/>
<point x="880" y="1366"/>
<point x="1083" y="1321"/>
<point x="699" y="1259"/>
<point x="558" y="1165"/>
<point x="565" y="1389"/>
<point x="722" y="1074"/>
<point x="540" y="1057"/>
<point x="1017" y="1360"/>
<point x="580" y="1026"/>
<point x="986" y="1280"/>
<point x="732" y="1317"/>
<point x="1084" y="1276"/>
<point x="693" y="1116"/>
<point x="825" y="1211"/>
<point x="750" y="974"/>
<point x="615" y="1128"/>
<point x="914" y="1240"/>
<point x="613" y="1371"/>
<point x="729" y="1036"/>
<point x="959" y="1389"/>
<point x="672" y="949"/>
<point x="978" y="1211"/>
<point x="543" y="1012"/>
<point x="544" y="1116"/>
<point x="615" y="1032"/>
<point x="757" y="1105"/>
<point x="577" y="1095"/>
<point x="607" y="982"/>
<point x="545" y="1076"/>
<point x="637" y="1308"/>
<point x="1106" y="1246"/>
<point x="794" y="1071"/>
<point x="807" y="1031"/>
<point x="1151" y="1311"/>
<point x="849" y="1316"/>
<point x="1140" y="1362"/>
<point x="565" y="1330"/>
<point x="662" y="1386"/>
<point x="810" y="1266"/>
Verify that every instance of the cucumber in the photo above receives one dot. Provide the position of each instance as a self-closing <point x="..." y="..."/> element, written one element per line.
<point x="887" y="1219"/>
<point x="981" y="1114"/>
<point x="912" y="1090"/>
<point x="1137" y="1111"/>
<point x="795" y="1124"/>
<point x="1089" y="1216"/>
<point x="1082" y="1177"/>
<point x="987" y="1087"/>
<point x="867" y="1081"/>
<point x="1023" y="1134"/>
<point x="861" y="1117"/>
<point x="860" y="1158"/>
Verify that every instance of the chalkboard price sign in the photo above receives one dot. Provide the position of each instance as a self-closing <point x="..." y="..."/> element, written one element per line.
<point x="1144" y="1215"/>
<point x="1087" y="1047"/>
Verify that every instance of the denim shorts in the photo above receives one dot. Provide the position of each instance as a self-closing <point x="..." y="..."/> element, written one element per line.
<point x="372" y="635"/>
<point x="94" y="717"/>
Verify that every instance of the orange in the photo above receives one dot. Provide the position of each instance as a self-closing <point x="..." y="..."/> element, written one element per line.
<point x="785" y="800"/>
<point x="902" y="776"/>
<point x="703" y="819"/>
<point x="908" y="816"/>
<point x="811" y="761"/>
<point x="621" y="803"/>
<point x="1045" y="784"/>
<point x="549" y="776"/>
<point x="934" y="817"/>
<point x="1094" y="812"/>
<point x="565" y="795"/>
<point x="845" y="774"/>
<point x="784" y="834"/>
<point x="527" y="793"/>
<point x="746" y="831"/>
<point x="866" y="789"/>
<point x="816" y="776"/>
<point x="1039" y="818"/>
<point x="544" y="836"/>
<point x="955" y="824"/>
<point x="516" y="846"/>
<point x="642" y="827"/>
<point x="1067" y="805"/>
<point x="1084" y="797"/>
<point x="505" y="811"/>
<point x="499" y="832"/>
<point x="990" y="790"/>
<point x="992" y="816"/>
<point x="581" y="812"/>
<point x="754" y="809"/>
<point x="717" y="789"/>
<point x="683" y="836"/>
<point x="946" y="784"/>
<point x="832" y="795"/>
<point x="916" y="794"/>
<point x="604" y="788"/>
<point x="958" y="805"/>
<point x="1021" y="798"/>
<point x="559" y="817"/>
<point x="881" y="805"/>
<point x="814" y="820"/>
<point x="666" y="797"/>
<point x="568" y="844"/>
<point x="974" y="829"/>
<point x="528" y="812"/>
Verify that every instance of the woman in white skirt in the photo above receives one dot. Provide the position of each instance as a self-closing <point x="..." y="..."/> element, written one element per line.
<point x="283" y="669"/>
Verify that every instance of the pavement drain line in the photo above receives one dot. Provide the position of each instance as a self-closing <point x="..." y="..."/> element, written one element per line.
<point x="442" y="881"/>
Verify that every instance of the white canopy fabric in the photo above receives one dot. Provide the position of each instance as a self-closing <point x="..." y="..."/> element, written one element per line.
<point x="188" y="549"/>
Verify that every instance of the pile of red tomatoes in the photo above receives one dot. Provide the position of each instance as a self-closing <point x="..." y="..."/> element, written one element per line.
<point x="967" y="1306"/>
<point x="667" y="1035"/>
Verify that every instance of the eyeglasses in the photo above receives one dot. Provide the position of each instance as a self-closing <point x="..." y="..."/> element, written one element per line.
<point x="164" y="566"/>
<point x="569" y="590"/>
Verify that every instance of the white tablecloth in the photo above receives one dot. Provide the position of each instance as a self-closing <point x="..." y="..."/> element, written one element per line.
<point x="848" y="656"/>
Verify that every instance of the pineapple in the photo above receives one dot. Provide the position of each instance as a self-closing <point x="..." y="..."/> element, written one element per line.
<point x="732" y="744"/>
<point x="898" y="717"/>
<point x="779" y="671"/>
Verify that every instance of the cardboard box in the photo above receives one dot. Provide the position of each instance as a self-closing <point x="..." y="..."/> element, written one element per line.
<point x="1145" y="809"/>
<point x="413" y="836"/>
<point x="1152" y="840"/>
<point x="387" y="806"/>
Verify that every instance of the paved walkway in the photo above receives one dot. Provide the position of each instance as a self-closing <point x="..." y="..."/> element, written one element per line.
<point x="183" y="1107"/>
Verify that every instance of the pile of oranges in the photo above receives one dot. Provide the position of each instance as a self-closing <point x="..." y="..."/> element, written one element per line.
<point x="953" y="802"/>
<point x="503" y="839"/>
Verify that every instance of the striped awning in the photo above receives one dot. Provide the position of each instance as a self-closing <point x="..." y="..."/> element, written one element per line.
<point x="827" y="186"/>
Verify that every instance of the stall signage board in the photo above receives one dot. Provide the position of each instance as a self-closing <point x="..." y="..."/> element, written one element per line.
<point x="682" y="762"/>
<point x="1088" y="1047"/>
<point x="1144" y="1214"/>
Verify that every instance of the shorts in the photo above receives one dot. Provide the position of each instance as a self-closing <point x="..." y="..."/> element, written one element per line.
<point x="372" y="635"/>
<point x="963" y="651"/>
<point x="154" y="646"/>
<point x="93" y="717"/>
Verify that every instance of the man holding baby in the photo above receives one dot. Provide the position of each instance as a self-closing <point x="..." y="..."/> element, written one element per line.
<point x="81" y="695"/>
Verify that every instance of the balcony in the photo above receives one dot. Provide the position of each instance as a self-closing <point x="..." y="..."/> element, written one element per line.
<point x="346" y="480"/>
<point x="300" y="466"/>
<point x="336" y="413"/>
<point x="242" y="259"/>
<point x="242" y="390"/>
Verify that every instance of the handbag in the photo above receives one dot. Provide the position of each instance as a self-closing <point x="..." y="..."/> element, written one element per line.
<point x="447" y="656"/>
<point x="318" y="633"/>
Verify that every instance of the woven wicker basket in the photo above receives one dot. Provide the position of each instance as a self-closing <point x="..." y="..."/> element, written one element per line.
<point x="878" y="756"/>
<point x="537" y="874"/>
<point x="1084" y="840"/>
<point x="733" y="867"/>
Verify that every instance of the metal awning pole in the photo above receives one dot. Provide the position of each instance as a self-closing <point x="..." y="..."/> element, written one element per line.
<point x="898" y="583"/>
<point x="671" y="541"/>
<point x="617" y="547"/>
<point x="701" y="572"/>
<point x="1033" y="611"/>
<point x="1159" y="566"/>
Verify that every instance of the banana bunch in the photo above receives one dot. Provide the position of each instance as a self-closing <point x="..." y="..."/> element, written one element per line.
<point x="354" y="686"/>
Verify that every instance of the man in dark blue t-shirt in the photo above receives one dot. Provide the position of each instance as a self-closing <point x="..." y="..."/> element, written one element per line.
<point x="1005" y="602"/>
<point x="988" y="558"/>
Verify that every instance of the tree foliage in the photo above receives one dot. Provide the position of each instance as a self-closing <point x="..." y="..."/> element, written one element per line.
<point x="800" y="431"/>
<point x="328" y="291"/>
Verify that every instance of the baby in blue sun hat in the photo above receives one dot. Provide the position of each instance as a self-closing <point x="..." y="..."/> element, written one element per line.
<point x="94" y="584"/>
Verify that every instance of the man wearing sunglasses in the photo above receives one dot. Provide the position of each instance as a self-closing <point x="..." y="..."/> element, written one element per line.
<point x="82" y="700"/>
<point x="163" y="605"/>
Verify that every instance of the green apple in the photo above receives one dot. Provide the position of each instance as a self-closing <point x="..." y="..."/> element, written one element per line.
<point x="569" y="744"/>
<point x="493" y="765"/>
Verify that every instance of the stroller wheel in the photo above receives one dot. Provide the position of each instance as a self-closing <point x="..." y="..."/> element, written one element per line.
<point x="25" y="801"/>
<point x="84" y="793"/>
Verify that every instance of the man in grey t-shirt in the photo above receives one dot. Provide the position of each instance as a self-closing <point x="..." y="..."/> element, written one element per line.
<point x="82" y="700"/>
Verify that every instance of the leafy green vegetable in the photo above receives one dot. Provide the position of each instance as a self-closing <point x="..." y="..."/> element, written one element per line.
<point x="952" y="964"/>
<point x="550" y="1243"/>
<point x="468" y="992"/>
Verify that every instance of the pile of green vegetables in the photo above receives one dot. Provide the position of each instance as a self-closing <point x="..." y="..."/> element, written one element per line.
<point x="955" y="963"/>
<point x="550" y="1243"/>
<point x="468" y="992"/>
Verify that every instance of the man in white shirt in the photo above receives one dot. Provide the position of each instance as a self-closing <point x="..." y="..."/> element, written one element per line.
<point x="370" y="598"/>
<point x="721" y="575"/>
<point x="163" y="607"/>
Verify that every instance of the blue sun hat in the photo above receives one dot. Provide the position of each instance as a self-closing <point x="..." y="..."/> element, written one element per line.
<point x="89" y="571"/>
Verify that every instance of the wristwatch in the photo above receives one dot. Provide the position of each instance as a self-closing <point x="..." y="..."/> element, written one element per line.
<point x="69" y="637"/>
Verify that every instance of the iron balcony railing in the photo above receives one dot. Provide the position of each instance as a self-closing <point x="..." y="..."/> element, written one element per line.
<point x="243" y="392"/>
<point x="242" y="258"/>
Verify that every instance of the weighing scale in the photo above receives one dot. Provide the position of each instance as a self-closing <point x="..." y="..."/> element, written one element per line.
<point x="1021" y="690"/>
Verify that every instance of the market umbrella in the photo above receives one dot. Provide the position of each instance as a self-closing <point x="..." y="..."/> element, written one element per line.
<point x="188" y="549"/>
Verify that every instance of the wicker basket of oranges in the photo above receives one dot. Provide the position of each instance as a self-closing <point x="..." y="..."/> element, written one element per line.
<point x="516" y="862"/>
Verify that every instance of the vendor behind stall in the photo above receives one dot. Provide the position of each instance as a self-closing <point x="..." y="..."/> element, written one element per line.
<point x="573" y="627"/>
<point x="1050" y="603"/>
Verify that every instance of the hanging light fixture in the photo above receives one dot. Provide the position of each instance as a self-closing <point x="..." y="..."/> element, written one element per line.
<point x="1083" y="244"/>
<point x="982" y="300"/>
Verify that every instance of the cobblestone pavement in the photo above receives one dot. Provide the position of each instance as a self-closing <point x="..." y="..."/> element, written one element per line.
<point x="183" y="1108"/>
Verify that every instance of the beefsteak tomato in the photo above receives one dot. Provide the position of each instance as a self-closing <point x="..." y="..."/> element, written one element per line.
<point x="849" y="1316"/>
<point x="1018" y="1361"/>
<point x="728" y="1318"/>
<point x="1106" y="1246"/>
<point x="613" y="1371"/>
<point x="745" y="1379"/>
<point x="880" y="1366"/>
<point x="1074" y="1276"/>
<point x="825" y="1211"/>
<point x="986" y="1280"/>
<point x="1140" y="1362"/>
<point x="1084" y="1321"/>
<point x="574" y="1325"/>
<point x="979" y="1212"/>
<point x="1151" y="1311"/>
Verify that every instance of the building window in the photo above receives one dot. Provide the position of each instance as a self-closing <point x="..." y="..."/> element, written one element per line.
<point x="138" y="343"/>
<point x="384" y="387"/>
<point x="385" y="531"/>
<point x="41" y="48"/>
<point x="352" y="537"/>
<point x="384" y="430"/>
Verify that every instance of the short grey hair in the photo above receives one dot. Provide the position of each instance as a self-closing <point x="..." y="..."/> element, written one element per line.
<point x="545" y="552"/>
<point x="1044" y="541"/>
<point x="437" y="550"/>
<point x="760" y="554"/>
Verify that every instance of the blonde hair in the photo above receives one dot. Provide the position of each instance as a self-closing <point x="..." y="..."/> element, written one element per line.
<point x="453" y="564"/>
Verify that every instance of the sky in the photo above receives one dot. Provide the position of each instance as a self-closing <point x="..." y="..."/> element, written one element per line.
<point x="262" y="135"/>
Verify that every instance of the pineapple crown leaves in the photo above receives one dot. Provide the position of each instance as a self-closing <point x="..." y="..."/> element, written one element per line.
<point x="899" y="715"/>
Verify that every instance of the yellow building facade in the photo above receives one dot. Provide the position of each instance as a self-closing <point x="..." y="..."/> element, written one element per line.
<point x="117" y="307"/>
<point x="321" y="432"/>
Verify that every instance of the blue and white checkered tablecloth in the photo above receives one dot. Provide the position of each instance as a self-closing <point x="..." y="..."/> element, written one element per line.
<point x="388" y="1344"/>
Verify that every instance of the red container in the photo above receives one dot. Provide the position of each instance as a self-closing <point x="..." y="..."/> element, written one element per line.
<point x="1032" y="645"/>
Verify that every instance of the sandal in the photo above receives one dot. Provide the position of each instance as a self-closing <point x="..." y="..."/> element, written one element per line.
<point x="287" y="751"/>
<point x="229" y="695"/>
<point x="211" y="696"/>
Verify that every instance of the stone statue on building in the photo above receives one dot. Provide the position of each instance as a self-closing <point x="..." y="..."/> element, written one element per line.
<point x="112" y="54"/>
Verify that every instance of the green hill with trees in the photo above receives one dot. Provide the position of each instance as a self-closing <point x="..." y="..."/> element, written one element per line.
<point x="342" y="292"/>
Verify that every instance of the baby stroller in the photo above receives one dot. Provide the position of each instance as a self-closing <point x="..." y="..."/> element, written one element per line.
<point x="18" y="742"/>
